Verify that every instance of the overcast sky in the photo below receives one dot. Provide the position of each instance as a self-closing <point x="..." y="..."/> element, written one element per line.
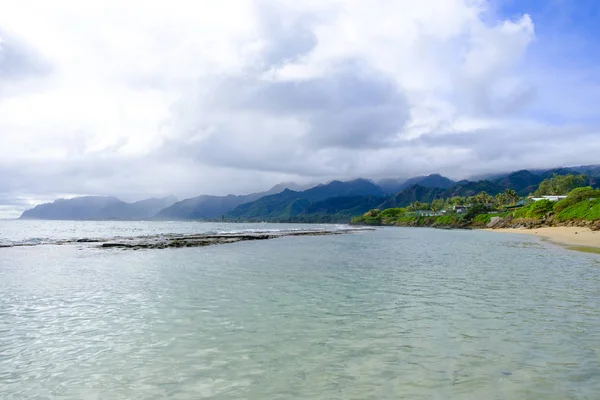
<point x="142" y="98"/>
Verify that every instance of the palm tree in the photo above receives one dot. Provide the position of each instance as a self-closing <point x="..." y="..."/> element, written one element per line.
<point x="511" y="196"/>
<point x="437" y="205"/>
<point x="500" y="199"/>
<point x="414" y="206"/>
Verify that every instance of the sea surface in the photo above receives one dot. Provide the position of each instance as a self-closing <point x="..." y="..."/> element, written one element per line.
<point x="395" y="313"/>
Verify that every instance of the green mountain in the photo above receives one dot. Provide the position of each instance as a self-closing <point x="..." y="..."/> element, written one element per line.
<point x="592" y="171"/>
<point x="411" y="194"/>
<point x="289" y="203"/>
<point x="212" y="207"/>
<point x="334" y="210"/>
<point x="393" y="186"/>
<point x="333" y="202"/>
<point x="523" y="182"/>
<point x="204" y="207"/>
<point x="466" y="189"/>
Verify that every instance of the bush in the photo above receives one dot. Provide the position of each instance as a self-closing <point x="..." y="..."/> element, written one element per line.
<point x="392" y="213"/>
<point x="584" y="210"/>
<point x="560" y="184"/>
<point x="446" y="220"/>
<point x="482" y="219"/>
<point x="475" y="211"/>
<point x="539" y="209"/>
<point x="575" y="196"/>
<point x="372" y="217"/>
<point x="522" y="212"/>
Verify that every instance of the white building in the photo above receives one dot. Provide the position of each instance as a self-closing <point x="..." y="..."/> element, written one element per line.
<point x="551" y="198"/>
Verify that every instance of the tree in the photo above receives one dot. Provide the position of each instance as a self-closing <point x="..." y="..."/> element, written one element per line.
<point x="511" y="197"/>
<point x="437" y="205"/>
<point x="459" y="201"/>
<point x="575" y="196"/>
<point x="483" y="198"/>
<point x="560" y="184"/>
<point x="414" y="206"/>
<point x="500" y="199"/>
<point x="424" y="206"/>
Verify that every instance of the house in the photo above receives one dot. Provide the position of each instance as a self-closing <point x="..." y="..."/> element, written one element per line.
<point x="460" y="209"/>
<point x="551" y="198"/>
<point x="429" y="213"/>
<point x="519" y="204"/>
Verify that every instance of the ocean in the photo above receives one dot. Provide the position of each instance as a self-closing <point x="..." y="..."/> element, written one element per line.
<point x="394" y="313"/>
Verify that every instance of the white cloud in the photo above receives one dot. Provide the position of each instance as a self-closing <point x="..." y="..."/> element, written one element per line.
<point x="134" y="98"/>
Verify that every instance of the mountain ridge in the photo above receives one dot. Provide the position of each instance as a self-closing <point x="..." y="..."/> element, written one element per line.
<point x="335" y="201"/>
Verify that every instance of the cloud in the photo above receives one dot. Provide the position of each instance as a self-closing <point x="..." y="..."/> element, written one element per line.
<point x="137" y="99"/>
<point x="18" y="60"/>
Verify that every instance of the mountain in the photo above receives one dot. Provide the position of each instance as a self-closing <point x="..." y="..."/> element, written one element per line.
<point x="289" y="203"/>
<point x="589" y="170"/>
<point x="430" y="181"/>
<point x="523" y="182"/>
<point x="336" y="209"/>
<point x="593" y="171"/>
<point x="411" y="194"/>
<point x="204" y="207"/>
<point x="143" y="209"/>
<point x="335" y="201"/>
<point x="549" y="173"/>
<point x="393" y="186"/>
<point x="467" y="188"/>
<point x="211" y="207"/>
<point x="97" y="208"/>
<point x="86" y="207"/>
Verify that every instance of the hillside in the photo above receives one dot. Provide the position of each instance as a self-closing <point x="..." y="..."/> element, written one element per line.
<point x="411" y="194"/>
<point x="85" y="207"/>
<point x="211" y="207"/>
<point x="523" y="182"/>
<point x="97" y="208"/>
<point x="143" y="209"/>
<point x="288" y="204"/>
<point x="393" y="186"/>
<point x="336" y="201"/>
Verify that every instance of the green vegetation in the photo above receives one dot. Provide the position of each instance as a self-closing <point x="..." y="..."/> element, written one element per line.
<point x="421" y="202"/>
<point x="539" y="209"/>
<point x="585" y="210"/>
<point x="560" y="184"/>
<point x="482" y="219"/>
<point x="575" y="196"/>
<point x="447" y="220"/>
<point x="581" y="204"/>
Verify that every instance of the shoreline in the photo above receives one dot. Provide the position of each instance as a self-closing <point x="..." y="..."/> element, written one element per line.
<point x="573" y="238"/>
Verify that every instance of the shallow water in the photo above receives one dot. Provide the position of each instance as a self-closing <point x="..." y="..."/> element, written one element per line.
<point x="394" y="313"/>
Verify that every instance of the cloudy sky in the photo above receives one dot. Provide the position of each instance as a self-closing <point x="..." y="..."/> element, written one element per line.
<point x="141" y="98"/>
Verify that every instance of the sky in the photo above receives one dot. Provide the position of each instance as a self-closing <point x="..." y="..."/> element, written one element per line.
<point x="139" y="99"/>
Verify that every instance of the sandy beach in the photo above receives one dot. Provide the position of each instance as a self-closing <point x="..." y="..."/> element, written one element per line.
<point x="569" y="236"/>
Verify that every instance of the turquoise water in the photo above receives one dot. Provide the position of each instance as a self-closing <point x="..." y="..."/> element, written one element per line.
<point x="393" y="313"/>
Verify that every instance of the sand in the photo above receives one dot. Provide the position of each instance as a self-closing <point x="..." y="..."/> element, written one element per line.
<point x="568" y="236"/>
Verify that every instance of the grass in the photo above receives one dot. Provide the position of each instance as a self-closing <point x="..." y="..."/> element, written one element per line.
<point x="446" y="220"/>
<point x="584" y="210"/>
<point x="482" y="219"/>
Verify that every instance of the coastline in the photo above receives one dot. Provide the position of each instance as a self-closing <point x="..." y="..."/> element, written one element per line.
<point x="574" y="238"/>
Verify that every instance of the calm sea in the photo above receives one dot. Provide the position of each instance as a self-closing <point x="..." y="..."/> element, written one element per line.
<point x="394" y="313"/>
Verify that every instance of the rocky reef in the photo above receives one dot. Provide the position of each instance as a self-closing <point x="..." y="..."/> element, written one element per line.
<point x="188" y="240"/>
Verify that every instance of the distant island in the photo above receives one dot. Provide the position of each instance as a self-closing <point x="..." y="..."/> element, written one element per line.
<point x="432" y="200"/>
